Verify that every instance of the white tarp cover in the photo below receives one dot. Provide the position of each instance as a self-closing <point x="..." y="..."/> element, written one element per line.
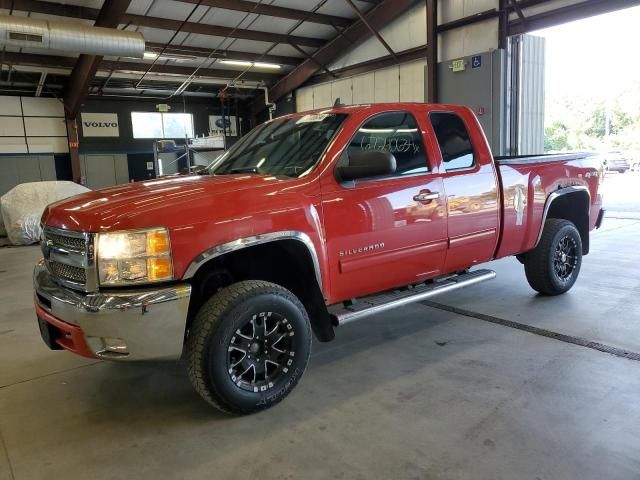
<point x="23" y="205"/>
<point x="3" y="231"/>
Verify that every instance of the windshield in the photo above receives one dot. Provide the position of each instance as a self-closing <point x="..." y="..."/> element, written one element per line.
<point x="289" y="147"/>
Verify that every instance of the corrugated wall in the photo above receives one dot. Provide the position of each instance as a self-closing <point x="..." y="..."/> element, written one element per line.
<point x="531" y="93"/>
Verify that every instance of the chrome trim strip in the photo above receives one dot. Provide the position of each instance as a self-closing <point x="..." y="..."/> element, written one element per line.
<point x="465" y="280"/>
<point x="554" y="196"/>
<point x="252" y="241"/>
<point x="63" y="232"/>
<point x="525" y="160"/>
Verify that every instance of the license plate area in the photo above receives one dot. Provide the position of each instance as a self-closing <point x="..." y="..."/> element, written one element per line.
<point x="49" y="334"/>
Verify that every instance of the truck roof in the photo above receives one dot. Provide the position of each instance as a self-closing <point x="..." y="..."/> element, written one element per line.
<point x="375" y="107"/>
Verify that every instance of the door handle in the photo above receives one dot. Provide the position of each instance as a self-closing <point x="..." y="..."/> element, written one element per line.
<point x="426" y="196"/>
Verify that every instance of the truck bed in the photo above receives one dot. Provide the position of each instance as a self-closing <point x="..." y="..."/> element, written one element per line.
<point x="527" y="181"/>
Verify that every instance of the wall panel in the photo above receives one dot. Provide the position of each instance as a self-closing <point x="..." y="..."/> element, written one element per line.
<point x="10" y="106"/>
<point x="13" y="145"/>
<point x="387" y="85"/>
<point x="48" y="144"/>
<point x="342" y="89"/>
<point x="45" y="127"/>
<point x="11" y="127"/>
<point x="304" y="99"/>
<point x="42" y="107"/>
<point x="363" y="89"/>
<point x="412" y="81"/>
<point x="322" y="96"/>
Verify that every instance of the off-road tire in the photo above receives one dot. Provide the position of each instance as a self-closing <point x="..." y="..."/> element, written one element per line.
<point x="211" y="334"/>
<point x="539" y="265"/>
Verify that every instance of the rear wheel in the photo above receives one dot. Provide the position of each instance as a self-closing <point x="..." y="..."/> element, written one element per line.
<point x="554" y="265"/>
<point x="248" y="346"/>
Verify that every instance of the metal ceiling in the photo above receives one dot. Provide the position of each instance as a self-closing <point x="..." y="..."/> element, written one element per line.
<point x="196" y="38"/>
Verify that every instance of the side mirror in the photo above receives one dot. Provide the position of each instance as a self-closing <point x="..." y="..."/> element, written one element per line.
<point x="371" y="163"/>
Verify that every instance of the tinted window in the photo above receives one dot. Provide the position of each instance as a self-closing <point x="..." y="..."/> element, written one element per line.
<point x="454" y="141"/>
<point x="396" y="133"/>
<point x="287" y="147"/>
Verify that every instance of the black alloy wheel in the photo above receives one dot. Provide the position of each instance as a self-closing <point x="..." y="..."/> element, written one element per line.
<point x="553" y="266"/>
<point x="248" y="346"/>
<point x="261" y="351"/>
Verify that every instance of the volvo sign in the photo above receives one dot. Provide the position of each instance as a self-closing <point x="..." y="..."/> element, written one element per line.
<point x="100" y="125"/>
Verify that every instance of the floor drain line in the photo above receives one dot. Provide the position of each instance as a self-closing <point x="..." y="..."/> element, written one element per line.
<point x="601" y="347"/>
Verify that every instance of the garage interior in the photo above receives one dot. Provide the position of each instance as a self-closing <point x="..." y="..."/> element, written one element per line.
<point x="493" y="381"/>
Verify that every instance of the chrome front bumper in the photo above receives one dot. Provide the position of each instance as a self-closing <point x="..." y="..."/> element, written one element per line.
<point x="144" y="324"/>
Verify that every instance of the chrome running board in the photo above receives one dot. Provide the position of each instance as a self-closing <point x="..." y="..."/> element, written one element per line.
<point x="398" y="298"/>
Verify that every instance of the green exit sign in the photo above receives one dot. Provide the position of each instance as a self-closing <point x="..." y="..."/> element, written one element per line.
<point x="458" y="65"/>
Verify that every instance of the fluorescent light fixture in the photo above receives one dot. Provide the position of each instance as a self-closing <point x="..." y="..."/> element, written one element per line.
<point x="243" y="63"/>
<point x="150" y="55"/>
<point x="275" y="66"/>
<point x="238" y="63"/>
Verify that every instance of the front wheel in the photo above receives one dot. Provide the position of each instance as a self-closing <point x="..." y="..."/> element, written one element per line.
<point x="248" y="346"/>
<point x="554" y="265"/>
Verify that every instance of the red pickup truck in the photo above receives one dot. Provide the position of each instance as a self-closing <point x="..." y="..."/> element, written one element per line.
<point x="310" y="221"/>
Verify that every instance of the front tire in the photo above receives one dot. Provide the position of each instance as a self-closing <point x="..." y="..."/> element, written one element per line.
<point x="554" y="265"/>
<point x="248" y="346"/>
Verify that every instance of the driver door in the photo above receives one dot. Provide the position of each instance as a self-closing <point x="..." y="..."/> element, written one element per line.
<point x="386" y="231"/>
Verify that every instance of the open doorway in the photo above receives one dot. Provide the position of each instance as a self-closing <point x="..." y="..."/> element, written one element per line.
<point x="592" y="98"/>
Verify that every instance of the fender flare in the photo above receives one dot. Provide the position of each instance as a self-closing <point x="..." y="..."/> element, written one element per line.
<point x="554" y="196"/>
<point x="246" y="242"/>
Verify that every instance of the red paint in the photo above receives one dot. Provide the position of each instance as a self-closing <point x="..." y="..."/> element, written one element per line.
<point x="71" y="336"/>
<point x="473" y="221"/>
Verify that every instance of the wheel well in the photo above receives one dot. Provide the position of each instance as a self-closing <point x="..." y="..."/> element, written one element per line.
<point x="574" y="207"/>
<point x="287" y="263"/>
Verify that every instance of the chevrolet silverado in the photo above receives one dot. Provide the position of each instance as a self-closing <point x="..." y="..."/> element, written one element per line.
<point x="310" y="221"/>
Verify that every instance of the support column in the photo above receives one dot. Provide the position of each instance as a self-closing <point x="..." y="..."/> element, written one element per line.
<point x="74" y="152"/>
<point x="432" y="51"/>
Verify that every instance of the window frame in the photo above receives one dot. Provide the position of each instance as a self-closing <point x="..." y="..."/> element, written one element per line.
<point x="162" y="114"/>
<point x="445" y="171"/>
<point x="344" y="156"/>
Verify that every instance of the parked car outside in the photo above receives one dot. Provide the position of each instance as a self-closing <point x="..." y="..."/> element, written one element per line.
<point x="616" y="162"/>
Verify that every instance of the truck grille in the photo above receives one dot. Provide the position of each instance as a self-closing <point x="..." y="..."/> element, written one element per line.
<point x="69" y="256"/>
<point x="73" y="243"/>
<point x="68" y="272"/>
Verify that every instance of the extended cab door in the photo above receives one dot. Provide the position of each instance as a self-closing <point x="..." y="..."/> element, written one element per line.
<point x="471" y="184"/>
<point x="389" y="231"/>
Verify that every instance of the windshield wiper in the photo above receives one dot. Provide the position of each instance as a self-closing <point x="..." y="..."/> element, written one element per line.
<point x="240" y="170"/>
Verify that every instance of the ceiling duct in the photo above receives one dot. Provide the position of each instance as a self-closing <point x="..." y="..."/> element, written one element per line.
<point x="23" y="32"/>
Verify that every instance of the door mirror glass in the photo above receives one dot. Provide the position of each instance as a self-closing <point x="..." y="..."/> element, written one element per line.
<point x="367" y="164"/>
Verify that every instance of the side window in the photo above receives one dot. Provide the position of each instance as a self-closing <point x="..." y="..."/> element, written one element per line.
<point x="396" y="133"/>
<point x="453" y="138"/>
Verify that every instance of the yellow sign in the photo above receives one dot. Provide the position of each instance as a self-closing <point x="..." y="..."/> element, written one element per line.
<point x="163" y="107"/>
<point x="458" y="65"/>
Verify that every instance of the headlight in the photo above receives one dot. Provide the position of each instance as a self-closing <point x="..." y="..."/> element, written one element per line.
<point x="134" y="257"/>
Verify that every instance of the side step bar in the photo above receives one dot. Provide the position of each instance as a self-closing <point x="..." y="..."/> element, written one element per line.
<point x="386" y="301"/>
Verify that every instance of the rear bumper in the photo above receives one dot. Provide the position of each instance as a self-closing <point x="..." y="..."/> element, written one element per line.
<point x="145" y="324"/>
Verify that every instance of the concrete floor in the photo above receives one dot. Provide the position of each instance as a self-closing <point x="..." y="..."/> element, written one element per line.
<point x="421" y="393"/>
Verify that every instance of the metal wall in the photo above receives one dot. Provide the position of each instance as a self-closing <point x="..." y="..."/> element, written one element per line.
<point x="103" y="170"/>
<point x="531" y="96"/>
<point x="16" y="169"/>
<point x="482" y="87"/>
<point x="400" y="83"/>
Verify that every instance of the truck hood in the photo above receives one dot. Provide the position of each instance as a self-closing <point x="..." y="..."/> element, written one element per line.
<point x="170" y="202"/>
